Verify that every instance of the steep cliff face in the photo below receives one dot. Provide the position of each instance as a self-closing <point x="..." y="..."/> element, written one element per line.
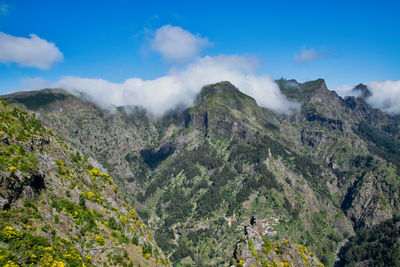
<point x="196" y="175"/>
<point x="58" y="208"/>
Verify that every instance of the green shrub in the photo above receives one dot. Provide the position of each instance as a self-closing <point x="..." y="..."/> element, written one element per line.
<point x="112" y="223"/>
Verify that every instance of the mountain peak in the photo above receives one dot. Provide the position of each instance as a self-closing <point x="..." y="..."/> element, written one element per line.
<point x="363" y="90"/>
<point x="314" y="86"/>
<point x="224" y="88"/>
<point x="301" y="92"/>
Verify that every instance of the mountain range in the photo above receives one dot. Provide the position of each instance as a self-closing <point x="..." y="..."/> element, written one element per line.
<point x="222" y="182"/>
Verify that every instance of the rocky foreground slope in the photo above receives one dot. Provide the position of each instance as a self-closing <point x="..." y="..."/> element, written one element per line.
<point x="58" y="208"/>
<point x="197" y="175"/>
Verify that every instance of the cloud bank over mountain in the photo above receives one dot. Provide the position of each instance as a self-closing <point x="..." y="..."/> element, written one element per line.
<point x="384" y="95"/>
<point x="188" y="74"/>
<point x="178" y="87"/>
<point x="182" y="83"/>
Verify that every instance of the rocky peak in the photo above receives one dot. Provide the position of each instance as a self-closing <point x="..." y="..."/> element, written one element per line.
<point x="317" y="86"/>
<point x="315" y="93"/>
<point x="362" y="90"/>
<point x="288" y="84"/>
<point x="309" y="92"/>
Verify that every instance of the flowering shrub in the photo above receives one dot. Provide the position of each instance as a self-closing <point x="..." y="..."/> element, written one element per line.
<point x="88" y="257"/>
<point x="9" y="232"/>
<point x="11" y="168"/>
<point x="100" y="240"/>
<point x="91" y="195"/>
<point x="10" y="264"/>
<point x="95" y="173"/>
<point x="59" y="264"/>
<point x="46" y="260"/>
<point x="123" y="219"/>
<point x="95" y="197"/>
<point x="133" y="215"/>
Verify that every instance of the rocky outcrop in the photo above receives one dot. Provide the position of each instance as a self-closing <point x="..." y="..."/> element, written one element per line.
<point x="254" y="249"/>
<point x="17" y="184"/>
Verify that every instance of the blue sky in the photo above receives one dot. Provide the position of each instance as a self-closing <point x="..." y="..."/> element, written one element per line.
<point x="344" y="42"/>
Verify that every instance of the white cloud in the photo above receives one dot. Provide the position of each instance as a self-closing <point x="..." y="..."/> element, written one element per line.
<point x="28" y="52"/>
<point x="180" y="87"/>
<point x="384" y="95"/>
<point x="176" y="44"/>
<point x="307" y="55"/>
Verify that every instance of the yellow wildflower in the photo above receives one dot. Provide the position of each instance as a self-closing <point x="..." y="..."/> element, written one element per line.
<point x="90" y="195"/>
<point x="100" y="240"/>
<point x="10" y="264"/>
<point x="48" y="249"/>
<point x="10" y="231"/>
<point x="94" y="172"/>
<point x="32" y="256"/>
<point x="11" y="168"/>
<point x="58" y="264"/>
<point x="46" y="260"/>
<point x="132" y="214"/>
